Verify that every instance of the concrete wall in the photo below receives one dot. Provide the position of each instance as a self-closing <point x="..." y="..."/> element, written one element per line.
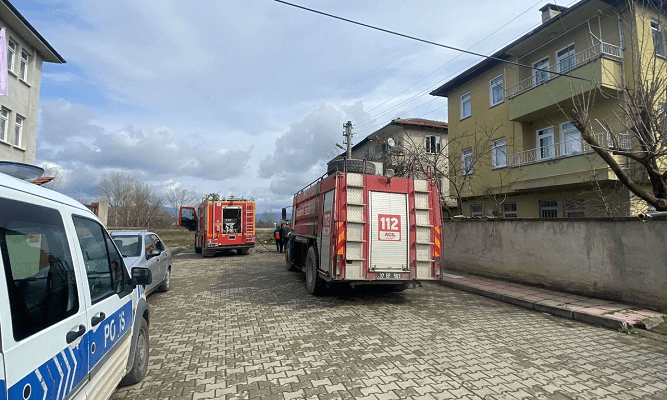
<point x="616" y="259"/>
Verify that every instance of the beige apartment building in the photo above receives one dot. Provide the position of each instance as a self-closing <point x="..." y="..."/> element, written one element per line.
<point x="408" y="146"/>
<point x="27" y="50"/>
<point x="514" y="149"/>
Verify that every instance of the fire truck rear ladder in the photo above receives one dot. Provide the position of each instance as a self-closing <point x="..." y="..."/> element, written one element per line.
<point x="422" y="228"/>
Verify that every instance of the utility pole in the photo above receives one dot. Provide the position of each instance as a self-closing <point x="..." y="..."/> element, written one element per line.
<point x="348" y="138"/>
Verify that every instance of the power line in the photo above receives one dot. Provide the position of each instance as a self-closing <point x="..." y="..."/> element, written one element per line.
<point x="430" y="42"/>
<point x="446" y="64"/>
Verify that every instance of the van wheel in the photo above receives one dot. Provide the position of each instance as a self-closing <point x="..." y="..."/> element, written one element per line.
<point x="166" y="283"/>
<point x="313" y="282"/>
<point x="140" y="362"/>
<point x="197" y="248"/>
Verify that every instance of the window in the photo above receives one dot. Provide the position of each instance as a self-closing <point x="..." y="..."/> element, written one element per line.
<point x="25" y="58"/>
<point x="496" y="90"/>
<point x="545" y="143"/>
<point x="104" y="266"/>
<point x="548" y="209"/>
<point x="657" y="29"/>
<point x="4" y="122"/>
<point x="18" y="131"/>
<point x="433" y="144"/>
<point x="466" y="162"/>
<point x="466" y="107"/>
<point x="541" y="73"/>
<point x="509" y="210"/>
<point x="38" y="267"/>
<point x="370" y="152"/>
<point x="475" y="210"/>
<point x="566" y="60"/>
<point x="130" y="245"/>
<point x="499" y="153"/>
<point x="574" y="208"/>
<point x="570" y="139"/>
<point x="11" y="54"/>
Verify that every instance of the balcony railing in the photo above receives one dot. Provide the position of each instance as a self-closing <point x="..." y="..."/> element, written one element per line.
<point x="568" y="148"/>
<point x="563" y="66"/>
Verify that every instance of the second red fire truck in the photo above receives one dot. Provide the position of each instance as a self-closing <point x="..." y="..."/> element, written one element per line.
<point x="366" y="229"/>
<point x="220" y="224"/>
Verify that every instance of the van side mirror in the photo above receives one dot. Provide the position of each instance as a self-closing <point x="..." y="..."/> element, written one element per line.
<point x="141" y="276"/>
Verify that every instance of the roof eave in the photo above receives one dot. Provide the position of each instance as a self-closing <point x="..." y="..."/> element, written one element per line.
<point x="21" y="25"/>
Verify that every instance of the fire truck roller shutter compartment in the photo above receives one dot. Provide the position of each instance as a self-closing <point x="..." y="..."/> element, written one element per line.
<point x="327" y="227"/>
<point x="389" y="232"/>
<point x="231" y="219"/>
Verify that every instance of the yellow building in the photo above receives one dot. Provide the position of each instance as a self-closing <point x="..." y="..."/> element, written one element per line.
<point x="514" y="150"/>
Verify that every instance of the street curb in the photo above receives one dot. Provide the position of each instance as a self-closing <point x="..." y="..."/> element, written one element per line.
<point x="606" y="321"/>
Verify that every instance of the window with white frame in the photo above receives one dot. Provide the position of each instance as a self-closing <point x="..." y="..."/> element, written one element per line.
<point x="466" y="106"/>
<point x="433" y="144"/>
<point x="4" y="122"/>
<point x="541" y="72"/>
<point x="545" y="143"/>
<point x="11" y="54"/>
<point x="548" y="209"/>
<point x="657" y="29"/>
<point x="466" y="161"/>
<point x="475" y="210"/>
<point x="574" y="208"/>
<point x="509" y="210"/>
<point x="18" y="131"/>
<point x="570" y="139"/>
<point x="566" y="60"/>
<point x="499" y="153"/>
<point x="25" y="59"/>
<point x="496" y="90"/>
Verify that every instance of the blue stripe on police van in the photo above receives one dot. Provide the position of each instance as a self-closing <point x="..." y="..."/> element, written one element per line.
<point x="56" y="378"/>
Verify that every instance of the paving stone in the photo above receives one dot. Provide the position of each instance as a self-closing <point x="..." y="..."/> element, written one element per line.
<point x="237" y="327"/>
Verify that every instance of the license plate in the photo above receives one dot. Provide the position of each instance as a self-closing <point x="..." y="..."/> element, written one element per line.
<point x="388" y="275"/>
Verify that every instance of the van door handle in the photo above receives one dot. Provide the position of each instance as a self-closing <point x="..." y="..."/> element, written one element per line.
<point x="75" y="333"/>
<point x="97" y="318"/>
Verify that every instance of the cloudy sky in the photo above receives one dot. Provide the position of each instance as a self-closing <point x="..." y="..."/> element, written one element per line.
<point x="242" y="97"/>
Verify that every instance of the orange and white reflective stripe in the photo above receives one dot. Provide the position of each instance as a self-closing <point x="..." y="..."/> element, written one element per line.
<point x="341" y="238"/>
<point x="436" y="242"/>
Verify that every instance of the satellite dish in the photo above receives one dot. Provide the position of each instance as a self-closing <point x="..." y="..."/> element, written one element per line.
<point x="390" y="142"/>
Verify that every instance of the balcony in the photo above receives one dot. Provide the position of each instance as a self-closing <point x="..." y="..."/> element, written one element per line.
<point x="597" y="66"/>
<point x="567" y="148"/>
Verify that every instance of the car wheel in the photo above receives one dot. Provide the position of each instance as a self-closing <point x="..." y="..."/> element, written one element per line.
<point x="313" y="282"/>
<point x="166" y="283"/>
<point x="140" y="362"/>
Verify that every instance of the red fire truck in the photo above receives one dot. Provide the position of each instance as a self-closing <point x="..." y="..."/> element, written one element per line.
<point x="366" y="229"/>
<point x="220" y="224"/>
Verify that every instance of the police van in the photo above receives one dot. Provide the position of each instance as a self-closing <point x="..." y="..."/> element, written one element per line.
<point x="73" y="319"/>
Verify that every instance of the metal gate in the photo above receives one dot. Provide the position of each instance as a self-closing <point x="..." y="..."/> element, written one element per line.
<point x="389" y="232"/>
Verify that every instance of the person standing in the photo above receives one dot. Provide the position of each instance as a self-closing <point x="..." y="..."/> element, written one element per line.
<point x="284" y="236"/>
<point x="276" y="236"/>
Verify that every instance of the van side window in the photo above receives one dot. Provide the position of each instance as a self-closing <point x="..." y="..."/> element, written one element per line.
<point x="38" y="265"/>
<point x="103" y="263"/>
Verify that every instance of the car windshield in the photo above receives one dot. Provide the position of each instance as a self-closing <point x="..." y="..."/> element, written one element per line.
<point x="129" y="245"/>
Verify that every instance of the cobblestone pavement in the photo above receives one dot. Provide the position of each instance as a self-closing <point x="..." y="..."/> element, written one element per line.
<point x="244" y="327"/>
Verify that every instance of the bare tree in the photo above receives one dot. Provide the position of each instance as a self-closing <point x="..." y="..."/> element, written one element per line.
<point x="131" y="203"/>
<point x="178" y="197"/>
<point x="637" y="127"/>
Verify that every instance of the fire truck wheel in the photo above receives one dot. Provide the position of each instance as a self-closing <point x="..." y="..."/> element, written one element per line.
<point x="197" y="247"/>
<point x="288" y="263"/>
<point x="312" y="280"/>
<point x="208" y="253"/>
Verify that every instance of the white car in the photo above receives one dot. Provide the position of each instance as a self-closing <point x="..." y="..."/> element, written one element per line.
<point x="146" y="250"/>
<point x="73" y="320"/>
